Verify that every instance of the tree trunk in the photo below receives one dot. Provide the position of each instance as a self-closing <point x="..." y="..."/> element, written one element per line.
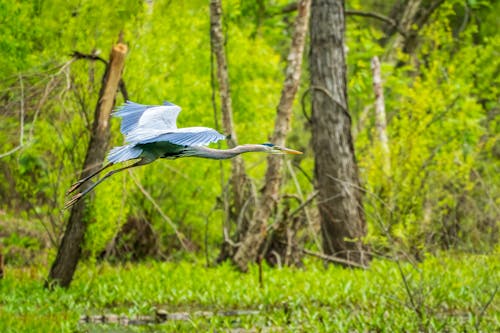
<point x="342" y="217"/>
<point x="239" y="181"/>
<point x="380" y="118"/>
<point x="405" y="22"/>
<point x="411" y="16"/>
<point x="69" y="251"/>
<point x="256" y="233"/>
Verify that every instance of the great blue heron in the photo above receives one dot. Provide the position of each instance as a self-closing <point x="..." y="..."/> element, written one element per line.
<point x="151" y="133"/>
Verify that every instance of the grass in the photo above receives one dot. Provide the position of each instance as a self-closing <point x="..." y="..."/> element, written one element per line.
<point x="447" y="293"/>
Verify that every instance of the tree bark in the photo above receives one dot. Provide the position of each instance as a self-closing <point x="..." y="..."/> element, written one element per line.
<point x="239" y="181"/>
<point x="380" y="118"/>
<point x="411" y="16"/>
<point x="405" y="22"/>
<point x="256" y="233"/>
<point x="342" y="217"/>
<point x="69" y="251"/>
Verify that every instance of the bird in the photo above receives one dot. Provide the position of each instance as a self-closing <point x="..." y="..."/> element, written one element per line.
<point x="151" y="133"/>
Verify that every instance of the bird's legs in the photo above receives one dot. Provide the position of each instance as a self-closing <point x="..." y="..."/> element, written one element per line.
<point x="83" y="180"/>
<point x="80" y="195"/>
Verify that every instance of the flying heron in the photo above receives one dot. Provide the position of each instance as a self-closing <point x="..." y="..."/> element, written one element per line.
<point x="151" y="133"/>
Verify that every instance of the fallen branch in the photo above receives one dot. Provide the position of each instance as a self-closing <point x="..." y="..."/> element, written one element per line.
<point x="161" y="316"/>
<point x="334" y="259"/>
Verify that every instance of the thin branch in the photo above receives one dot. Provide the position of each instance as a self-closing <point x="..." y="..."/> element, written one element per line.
<point x="303" y="105"/>
<point x="483" y="310"/>
<point x="228" y="239"/>
<point x="305" y="204"/>
<point x="12" y="151"/>
<point x="304" y="173"/>
<point x="93" y="56"/>
<point x="179" y="235"/>
<point x="123" y="89"/>
<point x="48" y="89"/>
<point x="408" y="291"/>
<point x="362" y="189"/>
<point x="378" y="16"/>
<point x="329" y="94"/>
<point x="21" y="118"/>
<point x="21" y="122"/>
<point x="291" y="7"/>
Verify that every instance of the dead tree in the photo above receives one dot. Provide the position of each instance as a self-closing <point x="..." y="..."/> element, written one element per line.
<point x="343" y="223"/>
<point x="380" y="118"/>
<point x="256" y="233"/>
<point x="69" y="251"/>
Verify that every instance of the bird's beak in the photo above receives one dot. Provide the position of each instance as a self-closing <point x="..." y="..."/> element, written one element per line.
<point x="289" y="151"/>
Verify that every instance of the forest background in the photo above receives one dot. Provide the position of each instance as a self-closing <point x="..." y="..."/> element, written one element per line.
<point x="430" y="195"/>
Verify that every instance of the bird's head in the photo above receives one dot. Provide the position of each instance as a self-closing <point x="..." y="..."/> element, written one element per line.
<point x="273" y="149"/>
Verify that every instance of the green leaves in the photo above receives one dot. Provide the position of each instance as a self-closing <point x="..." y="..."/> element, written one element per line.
<point x="436" y="126"/>
<point x="451" y="296"/>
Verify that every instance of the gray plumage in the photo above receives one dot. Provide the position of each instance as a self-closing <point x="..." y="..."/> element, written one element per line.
<point x="145" y="127"/>
<point x="151" y="132"/>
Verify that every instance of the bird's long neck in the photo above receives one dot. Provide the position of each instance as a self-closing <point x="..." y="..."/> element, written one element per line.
<point x="223" y="154"/>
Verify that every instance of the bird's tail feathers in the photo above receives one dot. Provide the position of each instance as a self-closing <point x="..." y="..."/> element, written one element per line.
<point x="124" y="153"/>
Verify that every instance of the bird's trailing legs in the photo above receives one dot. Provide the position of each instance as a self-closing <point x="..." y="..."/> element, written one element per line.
<point x="83" y="180"/>
<point x="80" y="195"/>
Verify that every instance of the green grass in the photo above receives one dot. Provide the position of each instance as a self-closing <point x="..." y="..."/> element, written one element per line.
<point x="448" y="294"/>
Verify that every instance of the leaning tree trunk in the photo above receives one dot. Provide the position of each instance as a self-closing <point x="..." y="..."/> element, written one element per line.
<point x="69" y="251"/>
<point x="342" y="217"/>
<point x="256" y="233"/>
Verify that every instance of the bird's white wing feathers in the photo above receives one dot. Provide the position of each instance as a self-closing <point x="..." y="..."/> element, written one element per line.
<point x="189" y="136"/>
<point x="143" y="122"/>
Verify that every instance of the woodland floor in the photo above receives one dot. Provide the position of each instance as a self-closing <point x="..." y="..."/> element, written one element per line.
<point x="445" y="293"/>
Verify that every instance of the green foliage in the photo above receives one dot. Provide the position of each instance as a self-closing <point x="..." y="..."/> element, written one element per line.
<point x="451" y="296"/>
<point x="442" y="110"/>
<point x="440" y="143"/>
<point x="160" y="65"/>
<point x="441" y="193"/>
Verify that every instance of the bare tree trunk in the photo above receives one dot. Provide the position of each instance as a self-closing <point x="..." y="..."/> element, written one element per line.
<point x="411" y="16"/>
<point x="250" y="244"/>
<point x="342" y="216"/>
<point x="217" y="40"/>
<point x="380" y="119"/>
<point x="69" y="251"/>
<point x="405" y="22"/>
<point x="239" y="180"/>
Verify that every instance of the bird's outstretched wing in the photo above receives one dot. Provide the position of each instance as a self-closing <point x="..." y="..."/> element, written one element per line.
<point x="143" y="122"/>
<point x="189" y="136"/>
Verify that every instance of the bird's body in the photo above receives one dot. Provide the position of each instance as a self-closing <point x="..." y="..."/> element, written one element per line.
<point x="151" y="133"/>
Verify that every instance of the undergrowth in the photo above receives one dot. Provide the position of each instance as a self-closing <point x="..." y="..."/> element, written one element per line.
<point x="440" y="294"/>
